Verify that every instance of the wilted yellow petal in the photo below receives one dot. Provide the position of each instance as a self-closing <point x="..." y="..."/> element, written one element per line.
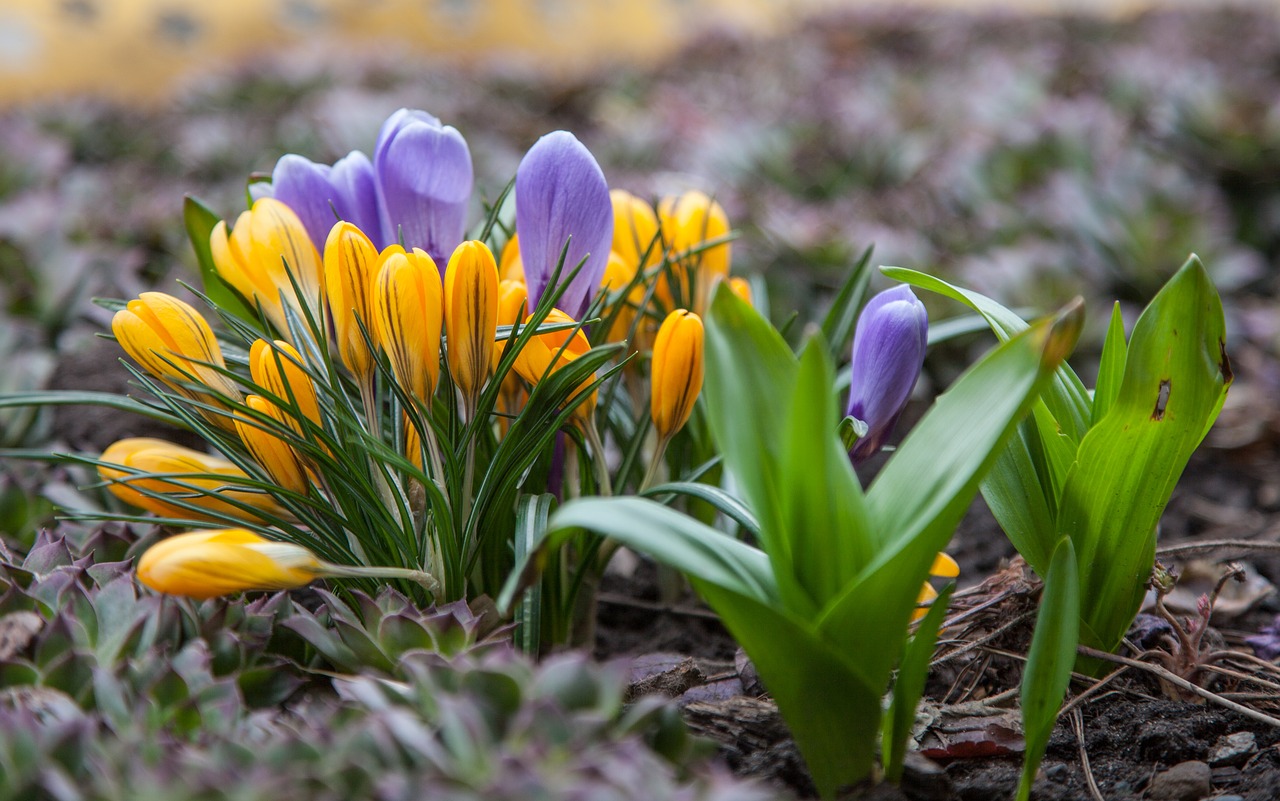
<point x="208" y="564"/>
<point x="140" y="459"/>
<point x="408" y="311"/>
<point x="470" y="314"/>
<point x="349" y="262"/>
<point x="676" y="375"/>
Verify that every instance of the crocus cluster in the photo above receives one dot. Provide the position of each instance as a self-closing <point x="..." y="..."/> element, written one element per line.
<point x="361" y="278"/>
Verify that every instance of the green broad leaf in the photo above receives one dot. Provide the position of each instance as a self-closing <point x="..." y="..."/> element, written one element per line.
<point x="1111" y="366"/>
<point x="824" y="516"/>
<point x="200" y="221"/>
<point x="919" y="497"/>
<point x="1049" y="661"/>
<point x="1175" y="379"/>
<point x="723" y="502"/>
<point x="1068" y="399"/>
<point x="830" y="705"/>
<point x="842" y="318"/>
<point x="909" y="688"/>
<point x="668" y="536"/>
<point x="1015" y="495"/>
<point x="746" y="401"/>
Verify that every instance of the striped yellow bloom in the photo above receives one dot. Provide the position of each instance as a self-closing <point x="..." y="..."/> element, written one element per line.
<point x="139" y="461"/>
<point x="510" y="265"/>
<point x="470" y="315"/>
<point x="349" y="262"/>
<point x="675" y="377"/>
<point x="538" y="357"/>
<point x="258" y="256"/>
<point x="688" y="222"/>
<point x="172" y="342"/>
<point x="635" y="231"/>
<point x="275" y="366"/>
<point x="408" y="312"/>
<point x="943" y="567"/>
<point x="270" y="451"/>
<point x="209" y="564"/>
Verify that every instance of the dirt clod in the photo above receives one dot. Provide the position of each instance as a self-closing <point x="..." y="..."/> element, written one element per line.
<point x="1186" y="781"/>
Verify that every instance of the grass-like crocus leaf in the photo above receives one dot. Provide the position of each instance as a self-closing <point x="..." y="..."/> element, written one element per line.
<point x="1053" y="652"/>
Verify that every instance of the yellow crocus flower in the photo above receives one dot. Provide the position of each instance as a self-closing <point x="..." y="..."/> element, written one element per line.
<point x="408" y="312"/>
<point x="175" y="344"/>
<point x="538" y="357"/>
<point x="142" y="459"/>
<point x="349" y="262"/>
<point x="676" y="375"/>
<point x="275" y="455"/>
<point x="510" y="265"/>
<point x="257" y="257"/>
<point x="635" y="231"/>
<point x="689" y="221"/>
<point x="275" y="366"/>
<point x="208" y="564"/>
<point x="943" y="567"/>
<point x="470" y="316"/>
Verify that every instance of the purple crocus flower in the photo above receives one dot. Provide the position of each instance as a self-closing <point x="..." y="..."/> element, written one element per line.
<point x="561" y="196"/>
<point x="424" y="180"/>
<point x="321" y="195"/>
<point x="888" y="352"/>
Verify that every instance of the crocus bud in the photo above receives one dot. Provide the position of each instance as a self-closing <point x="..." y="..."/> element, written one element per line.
<point x="470" y="315"/>
<point x="888" y="353"/>
<point x="742" y="288"/>
<point x="208" y="564"/>
<point x="618" y="275"/>
<point x="175" y="344"/>
<point x="265" y="255"/>
<point x="943" y="567"/>
<point x="562" y="197"/>
<point x="688" y="222"/>
<point x="349" y="260"/>
<point x="513" y="301"/>
<point x="408" y="312"/>
<point x="538" y="358"/>
<point x="424" y="178"/>
<point x="277" y="370"/>
<point x="676" y="376"/>
<point x="131" y="467"/>
<point x="275" y="455"/>
<point x="510" y="265"/>
<point x="635" y="230"/>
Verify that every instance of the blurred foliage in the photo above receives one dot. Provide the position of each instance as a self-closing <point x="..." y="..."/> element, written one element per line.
<point x="109" y="693"/>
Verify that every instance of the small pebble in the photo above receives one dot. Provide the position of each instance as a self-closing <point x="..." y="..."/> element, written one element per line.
<point x="1186" y="781"/>
<point x="1056" y="773"/>
<point x="1233" y="749"/>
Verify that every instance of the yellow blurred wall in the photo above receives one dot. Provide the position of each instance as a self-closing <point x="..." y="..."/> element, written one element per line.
<point x="142" y="49"/>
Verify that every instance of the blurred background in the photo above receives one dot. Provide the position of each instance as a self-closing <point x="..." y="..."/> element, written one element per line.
<point x="1032" y="150"/>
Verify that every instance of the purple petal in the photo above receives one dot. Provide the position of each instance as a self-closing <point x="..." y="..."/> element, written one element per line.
<point x="424" y="178"/>
<point x="888" y="353"/>
<point x="561" y="195"/>
<point x="356" y="195"/>
<point x="304" y="186"/>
